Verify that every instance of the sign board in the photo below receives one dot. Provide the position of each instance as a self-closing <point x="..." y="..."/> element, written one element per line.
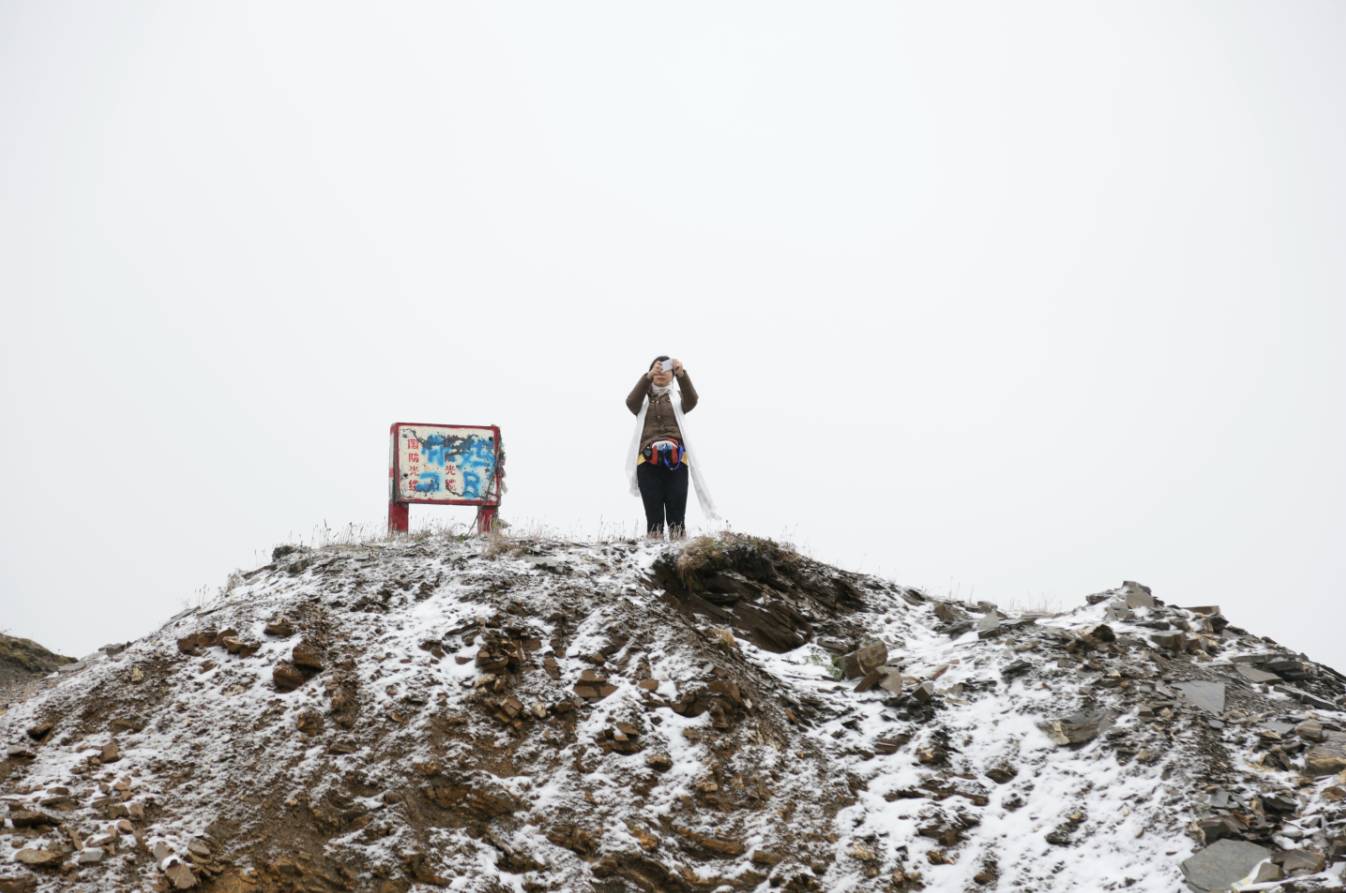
<point x="444" y="465"/>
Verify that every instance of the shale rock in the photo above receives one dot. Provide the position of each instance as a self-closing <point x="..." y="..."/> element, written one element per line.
<point x="1077" y="728"/>
<point x="1222" y="864"/>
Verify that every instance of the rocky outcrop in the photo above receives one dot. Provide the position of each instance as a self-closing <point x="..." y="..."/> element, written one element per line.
<point x="722" y="715"/>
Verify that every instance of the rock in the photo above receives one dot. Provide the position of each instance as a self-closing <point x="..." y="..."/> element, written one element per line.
<point x="1137" y="596"/>
<point x="18" y="884"/>
<point x="180" y="875"/>
<point x="1077" y="728"/>
<point x="137" y="675"/>
<point x="659" y="762"/>
<point x="1211" y="620"/>
<point x="1266" y="873"/>
<point x="309" y="721"/>
<point x="891" y="680"/>
<point x="890" y="745"/>
<point x="195" y="642"/>
<point x="110" y="753"/>
<point x="1252" y="674"/>
<point x="1002" y="774"/>
<point x="305" y="656"/>
<point x="286" y="676"/>
<point x="862" y="853"/>
<point x="280" y="628"/>
<point x="1301" y="862"/>
<point x="1213" y="828"/>
<point x="1174" y="641"/>
<point x="867" y="658"/>
<point x="766" y="857"/>
<point x="725" y="637"/>
<point x="1223" y="864"/>
<point x="1209" y="696"/>
<point x="868" y="683"/>
<point x="1117" y="612"/>
<point x="947" y="612"/>
<point x="27" y="818"/>
<point x="40" y="730"/>
<point x="19" y="752"/>
<point x="90" y="855"/>
<point x="1102" y="633"/>
<point x="1308" y="700"/>
<point x="36" y="857"/>
<point x="1015" y="669"/>
<point x="242" y="648"/>
<point x="1283" y="665"/>
<point x="720" y="846"/>
<point x="594" y="691"/>
<point x="1311" y="730"/>
<point x="1327" y="758"/>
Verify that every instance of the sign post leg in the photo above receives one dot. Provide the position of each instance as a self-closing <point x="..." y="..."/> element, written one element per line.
<point x="486" y="518"/>
<point x="399" y="517"/>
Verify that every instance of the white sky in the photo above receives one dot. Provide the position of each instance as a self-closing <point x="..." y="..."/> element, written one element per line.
<point x="1005" y="301"/>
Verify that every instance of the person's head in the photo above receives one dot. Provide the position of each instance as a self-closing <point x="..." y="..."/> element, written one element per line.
<point x="658" y="375"/>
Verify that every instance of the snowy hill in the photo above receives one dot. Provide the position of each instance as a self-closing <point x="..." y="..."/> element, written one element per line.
<point x="21" y="662"/>
<point x="533" y="715"/>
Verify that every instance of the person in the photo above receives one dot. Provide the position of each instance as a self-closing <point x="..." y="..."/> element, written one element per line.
<point x="660" y="459"/>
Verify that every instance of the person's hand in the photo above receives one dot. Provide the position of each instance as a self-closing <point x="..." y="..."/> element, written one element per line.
<point x="677" y="366"/>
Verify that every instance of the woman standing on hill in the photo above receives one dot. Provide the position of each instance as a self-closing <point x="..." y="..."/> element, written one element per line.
<point x="660" y="461"/>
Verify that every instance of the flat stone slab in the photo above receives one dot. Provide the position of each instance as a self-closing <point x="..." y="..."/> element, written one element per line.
<point x="1223" y="864"/>
<point x="1077" y="728"/>
<point x="1252" y="674"/>
<point x="1209" y="696"/>
<point x="1137" y="599"/>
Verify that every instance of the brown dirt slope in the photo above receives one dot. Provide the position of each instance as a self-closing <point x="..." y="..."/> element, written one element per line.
<point x="722" y="715"/>
<point x="22" y="660"/>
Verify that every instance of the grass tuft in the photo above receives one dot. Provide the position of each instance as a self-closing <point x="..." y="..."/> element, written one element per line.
<point x="705" y="555"/>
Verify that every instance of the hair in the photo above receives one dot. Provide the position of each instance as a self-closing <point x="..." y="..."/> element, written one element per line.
<point x="659" y="359"/>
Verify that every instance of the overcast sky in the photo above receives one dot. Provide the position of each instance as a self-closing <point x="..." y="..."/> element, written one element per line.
<point x="1005" y="301"/>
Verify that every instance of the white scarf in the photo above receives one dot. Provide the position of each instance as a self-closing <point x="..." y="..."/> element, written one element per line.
<point x="693" y="461"/>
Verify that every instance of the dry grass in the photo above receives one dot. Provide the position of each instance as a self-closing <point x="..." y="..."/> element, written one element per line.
<point x="29" y="656"/>
<point x="706" y="554"/>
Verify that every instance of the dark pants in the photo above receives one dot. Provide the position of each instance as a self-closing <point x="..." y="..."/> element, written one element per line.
<point x="664" y="492"/>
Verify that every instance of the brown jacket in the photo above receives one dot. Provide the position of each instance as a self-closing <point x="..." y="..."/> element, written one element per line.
<point x="660" y="422"/>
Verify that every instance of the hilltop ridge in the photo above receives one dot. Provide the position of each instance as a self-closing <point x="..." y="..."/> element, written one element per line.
<point x="724" y="714"/>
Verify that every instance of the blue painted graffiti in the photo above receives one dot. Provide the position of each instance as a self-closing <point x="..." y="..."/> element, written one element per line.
<point x="477" y="463"/>
<point x="473" y="456"/>
<point x="435" y="449"/>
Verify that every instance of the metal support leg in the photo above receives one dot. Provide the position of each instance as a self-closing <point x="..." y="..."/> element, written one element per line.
<point x="399" y="517"/>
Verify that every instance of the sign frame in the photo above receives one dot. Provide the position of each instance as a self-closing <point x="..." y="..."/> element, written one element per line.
<point x="399" y="506"/>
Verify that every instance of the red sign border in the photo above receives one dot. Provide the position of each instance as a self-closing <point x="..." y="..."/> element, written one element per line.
<point x="395" y="471"/>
